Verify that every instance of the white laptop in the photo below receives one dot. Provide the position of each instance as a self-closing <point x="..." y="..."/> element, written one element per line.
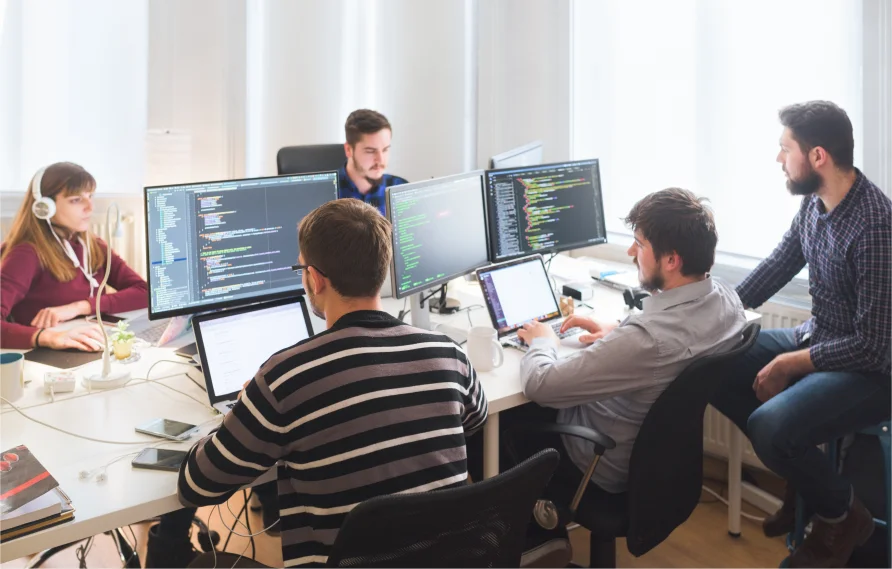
<point x="233" y="344"/>
<point x="518" y="292"/>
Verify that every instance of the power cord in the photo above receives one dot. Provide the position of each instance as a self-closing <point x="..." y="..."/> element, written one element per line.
<point x="402" y="313"/>
<point x="232" y="531"/>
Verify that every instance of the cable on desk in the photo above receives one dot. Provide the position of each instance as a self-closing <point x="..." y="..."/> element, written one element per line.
<point x="38" y="421"/>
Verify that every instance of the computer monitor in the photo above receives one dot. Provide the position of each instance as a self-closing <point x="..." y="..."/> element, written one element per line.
<point x="227" y="243"/>
<point x="544" y="209"/>
<point x="439" y="231"/>
<point x="526" y="155"/>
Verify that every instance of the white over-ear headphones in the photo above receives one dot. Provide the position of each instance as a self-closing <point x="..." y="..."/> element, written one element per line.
<point x="43" y="208"/>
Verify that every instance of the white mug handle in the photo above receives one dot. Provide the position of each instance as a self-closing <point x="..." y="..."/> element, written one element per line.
<point x="501" y="354"/>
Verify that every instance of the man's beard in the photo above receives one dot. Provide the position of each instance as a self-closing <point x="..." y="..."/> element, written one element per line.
<point x="312" y="296"/>
<point x="807" y="185"/>
<point x="374" y="182"/>
<point x="652" y="284"/>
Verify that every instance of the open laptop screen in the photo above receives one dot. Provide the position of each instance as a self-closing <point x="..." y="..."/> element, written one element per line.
<point x="517" y="292"/>
<point x="235" y="343"/>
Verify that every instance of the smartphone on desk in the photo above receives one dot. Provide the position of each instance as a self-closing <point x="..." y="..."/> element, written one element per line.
<point x="167" y="429"/>
<point x="109" y="319"/>
<point x="160" y="459"/>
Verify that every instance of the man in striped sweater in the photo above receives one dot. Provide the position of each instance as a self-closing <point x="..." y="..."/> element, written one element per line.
<point x="371" y="406"/>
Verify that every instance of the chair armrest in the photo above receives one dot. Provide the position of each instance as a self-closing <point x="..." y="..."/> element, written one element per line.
<point x="602" y="442"/>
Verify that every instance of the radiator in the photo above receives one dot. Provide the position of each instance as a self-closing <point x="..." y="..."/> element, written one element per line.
<point x="717" y="428"/>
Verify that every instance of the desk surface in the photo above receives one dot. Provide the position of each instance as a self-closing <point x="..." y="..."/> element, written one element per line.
<point x="131" y="495"/>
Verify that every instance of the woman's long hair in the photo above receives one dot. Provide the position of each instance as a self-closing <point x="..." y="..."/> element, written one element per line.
<point x="65" y="179"/>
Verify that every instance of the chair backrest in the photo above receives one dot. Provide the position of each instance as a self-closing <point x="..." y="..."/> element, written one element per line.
<point x="477" y="525"/>
<point x="666" y="466"/>
<point x="310" y="158"/>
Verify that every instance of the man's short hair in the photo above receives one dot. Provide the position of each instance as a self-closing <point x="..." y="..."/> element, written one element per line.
<point x="824" y="124"/>
<point x="676" y="220"/>
<point x="364" y="121"/>
<point x="349" y="242"/>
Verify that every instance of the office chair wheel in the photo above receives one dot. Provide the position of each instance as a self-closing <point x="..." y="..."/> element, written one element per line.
<point x="546" y="514"/>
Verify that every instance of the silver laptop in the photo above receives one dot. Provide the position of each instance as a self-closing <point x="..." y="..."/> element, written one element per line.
<point x="518" y="292"/>
<point x="233" y="344"/>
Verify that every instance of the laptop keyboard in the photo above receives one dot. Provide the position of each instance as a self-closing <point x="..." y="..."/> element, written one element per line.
<point x="556" y="326"/>
<point x="153" y="334"/>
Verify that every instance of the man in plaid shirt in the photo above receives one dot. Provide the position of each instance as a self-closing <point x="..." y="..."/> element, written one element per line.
<point x="798" y="388"/>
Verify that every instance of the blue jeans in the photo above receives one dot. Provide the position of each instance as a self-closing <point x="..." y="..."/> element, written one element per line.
<point x="818" y="408"/>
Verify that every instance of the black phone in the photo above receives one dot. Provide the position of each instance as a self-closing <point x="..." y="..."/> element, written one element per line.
<point x="106" y="318"/>
<point x="160" y="459"/>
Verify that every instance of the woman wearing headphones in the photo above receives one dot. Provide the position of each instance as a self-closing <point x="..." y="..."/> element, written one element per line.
<point x="51" y="266"/>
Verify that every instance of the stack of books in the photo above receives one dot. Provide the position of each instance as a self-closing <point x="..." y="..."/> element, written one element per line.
<point x="30" y="498"/>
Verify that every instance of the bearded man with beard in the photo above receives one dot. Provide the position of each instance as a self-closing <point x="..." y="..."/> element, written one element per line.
<point x="611" y="385"/>
<point x="363" y="176"/>
<point x="829" y="377"/>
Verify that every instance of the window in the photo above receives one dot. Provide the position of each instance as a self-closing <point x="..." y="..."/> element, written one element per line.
<point x="686" y="93"/>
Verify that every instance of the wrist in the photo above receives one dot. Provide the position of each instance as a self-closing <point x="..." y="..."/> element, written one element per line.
<point x="83" y="308"/>
<point x="41" y="334"/>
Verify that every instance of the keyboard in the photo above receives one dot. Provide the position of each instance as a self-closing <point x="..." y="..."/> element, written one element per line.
<point x="153" y="334"/>
<point x="556" y="326"/>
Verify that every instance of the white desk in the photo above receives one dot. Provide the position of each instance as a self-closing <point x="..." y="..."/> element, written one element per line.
<point x="131" y="495"/>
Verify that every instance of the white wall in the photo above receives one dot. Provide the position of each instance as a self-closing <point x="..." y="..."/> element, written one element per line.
<point x="524" y="82"/>
<point x="196" y="83"/>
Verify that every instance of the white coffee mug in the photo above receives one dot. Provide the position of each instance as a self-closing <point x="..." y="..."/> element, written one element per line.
<point x="484" y="350"/>
<point x="12" y="376"/>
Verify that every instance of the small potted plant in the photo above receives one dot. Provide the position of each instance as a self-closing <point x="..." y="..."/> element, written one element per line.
<point x="122" y="340"/>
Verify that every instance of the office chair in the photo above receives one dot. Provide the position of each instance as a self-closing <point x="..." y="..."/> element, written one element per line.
<point x="665" y="469"/>
<point x="310" y="158"/>
<point x="477" y="525"/>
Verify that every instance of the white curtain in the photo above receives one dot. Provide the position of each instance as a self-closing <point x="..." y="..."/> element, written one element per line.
<point x="73" y="87"/>
<point x="309" y="64"/>
<point x="686" y="93"/>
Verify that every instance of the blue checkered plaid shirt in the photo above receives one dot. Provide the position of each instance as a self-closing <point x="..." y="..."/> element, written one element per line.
<point x="376" y="196"/>
<point x="849" y="256"/>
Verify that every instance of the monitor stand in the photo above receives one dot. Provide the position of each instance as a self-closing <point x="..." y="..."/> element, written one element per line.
<point x="444" y="305"/>
<point x="421" y="318"/>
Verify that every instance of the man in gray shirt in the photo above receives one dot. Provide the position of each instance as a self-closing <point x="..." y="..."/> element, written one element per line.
<point x="611" y="384"/>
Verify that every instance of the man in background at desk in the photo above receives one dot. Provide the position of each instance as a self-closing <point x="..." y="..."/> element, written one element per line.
<point x="368" y="150"/>
<point x="370" y="406"/>
<point x="612" y="384"/>
<point x="798" y="388"/>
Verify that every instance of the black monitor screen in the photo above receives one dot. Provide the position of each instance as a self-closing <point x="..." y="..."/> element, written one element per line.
<point x="542" y="209"/>
<point x="439" y="231"/>
<point x="227" y="243"/>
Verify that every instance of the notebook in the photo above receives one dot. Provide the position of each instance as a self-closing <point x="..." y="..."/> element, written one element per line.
<point x="30" y="498"/>
<point x="518" y="292"/>
<point x="233" y="344"/>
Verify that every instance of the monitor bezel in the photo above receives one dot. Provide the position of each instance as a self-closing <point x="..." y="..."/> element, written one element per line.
<point x="490" y="229"/>
<point x="422" y="184"/>
<point x="511" y="153"/>
<point x="198" y="309"/>
<point x="500" y="332"/>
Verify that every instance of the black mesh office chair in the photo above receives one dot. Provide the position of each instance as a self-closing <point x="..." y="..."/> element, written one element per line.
<point x="478" y="525"/>
<point x="310" y="158"/>
<point x="665" y="469"/>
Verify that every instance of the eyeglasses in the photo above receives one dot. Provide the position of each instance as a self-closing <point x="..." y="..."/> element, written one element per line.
<point x="300" y="268"/>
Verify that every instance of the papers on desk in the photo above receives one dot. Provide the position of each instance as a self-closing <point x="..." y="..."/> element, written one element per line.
<point x="30" y="498"/>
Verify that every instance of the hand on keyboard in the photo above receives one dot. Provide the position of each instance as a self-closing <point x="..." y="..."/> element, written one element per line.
<point x="595" y="330"/>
